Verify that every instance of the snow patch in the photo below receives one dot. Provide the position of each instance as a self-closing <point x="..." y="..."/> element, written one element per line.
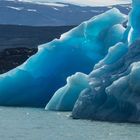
<point x="15" y="8"/>
<point x="32" y="10"/>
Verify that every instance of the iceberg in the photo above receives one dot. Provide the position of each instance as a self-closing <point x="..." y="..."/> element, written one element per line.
<point x="134" y="22"/>
<point x="34" y="82"/>
<point x="101" y="59"/>
<point x="112" y="96"/>
<point x="114" y="82"/>
<point x="65" y="98"/>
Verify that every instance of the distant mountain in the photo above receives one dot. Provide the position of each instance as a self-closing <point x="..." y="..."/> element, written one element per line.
<point x="83" y="2"/>
<point x="49" y="14"/>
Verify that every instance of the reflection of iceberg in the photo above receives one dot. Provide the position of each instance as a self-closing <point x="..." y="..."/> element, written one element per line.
<point x="34" y="82"/>
<point x="114" y="92"/>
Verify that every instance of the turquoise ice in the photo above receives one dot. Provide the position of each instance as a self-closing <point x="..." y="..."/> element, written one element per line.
<point x="92" y="70"/>
<point x="34" y="82"/>
<point x="134" y="21"/>
<point x="65" y="98"/>
<point x="115" y="81"/>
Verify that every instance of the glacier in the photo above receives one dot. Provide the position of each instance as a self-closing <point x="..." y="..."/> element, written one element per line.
<point x="115" y="82"/>
<point x="34" y="82"/>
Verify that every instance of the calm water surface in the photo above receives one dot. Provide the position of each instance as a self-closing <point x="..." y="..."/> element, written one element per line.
<point x="37" y="124"/>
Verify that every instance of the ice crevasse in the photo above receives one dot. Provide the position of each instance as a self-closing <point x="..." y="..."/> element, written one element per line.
<point x="34" y="82"/>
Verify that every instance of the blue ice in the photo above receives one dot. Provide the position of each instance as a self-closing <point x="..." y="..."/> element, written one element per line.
<point x="34" y="82"/>
<point x="65" y="98"/>
<point x="114" y="82"/>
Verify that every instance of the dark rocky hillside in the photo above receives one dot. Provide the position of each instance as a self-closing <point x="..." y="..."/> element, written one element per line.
<point x="18" y="43"/>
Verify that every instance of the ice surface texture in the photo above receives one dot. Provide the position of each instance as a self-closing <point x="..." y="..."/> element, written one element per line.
<point x="104" y="50"/>
<point x="134" y="17"/>
<point x="34" y="82"/>
<point x="65" y="98"/>
<point x="114" y="93"/>
<point x="98" y="102"/>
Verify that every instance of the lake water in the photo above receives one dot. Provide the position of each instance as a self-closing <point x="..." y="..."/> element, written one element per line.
<point x="38" y="124"/>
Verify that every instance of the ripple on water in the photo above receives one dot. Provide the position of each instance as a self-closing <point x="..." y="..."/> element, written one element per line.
<point x="38" y="124"/>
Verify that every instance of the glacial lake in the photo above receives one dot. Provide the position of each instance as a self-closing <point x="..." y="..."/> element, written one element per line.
<point x="38" y="124"/>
